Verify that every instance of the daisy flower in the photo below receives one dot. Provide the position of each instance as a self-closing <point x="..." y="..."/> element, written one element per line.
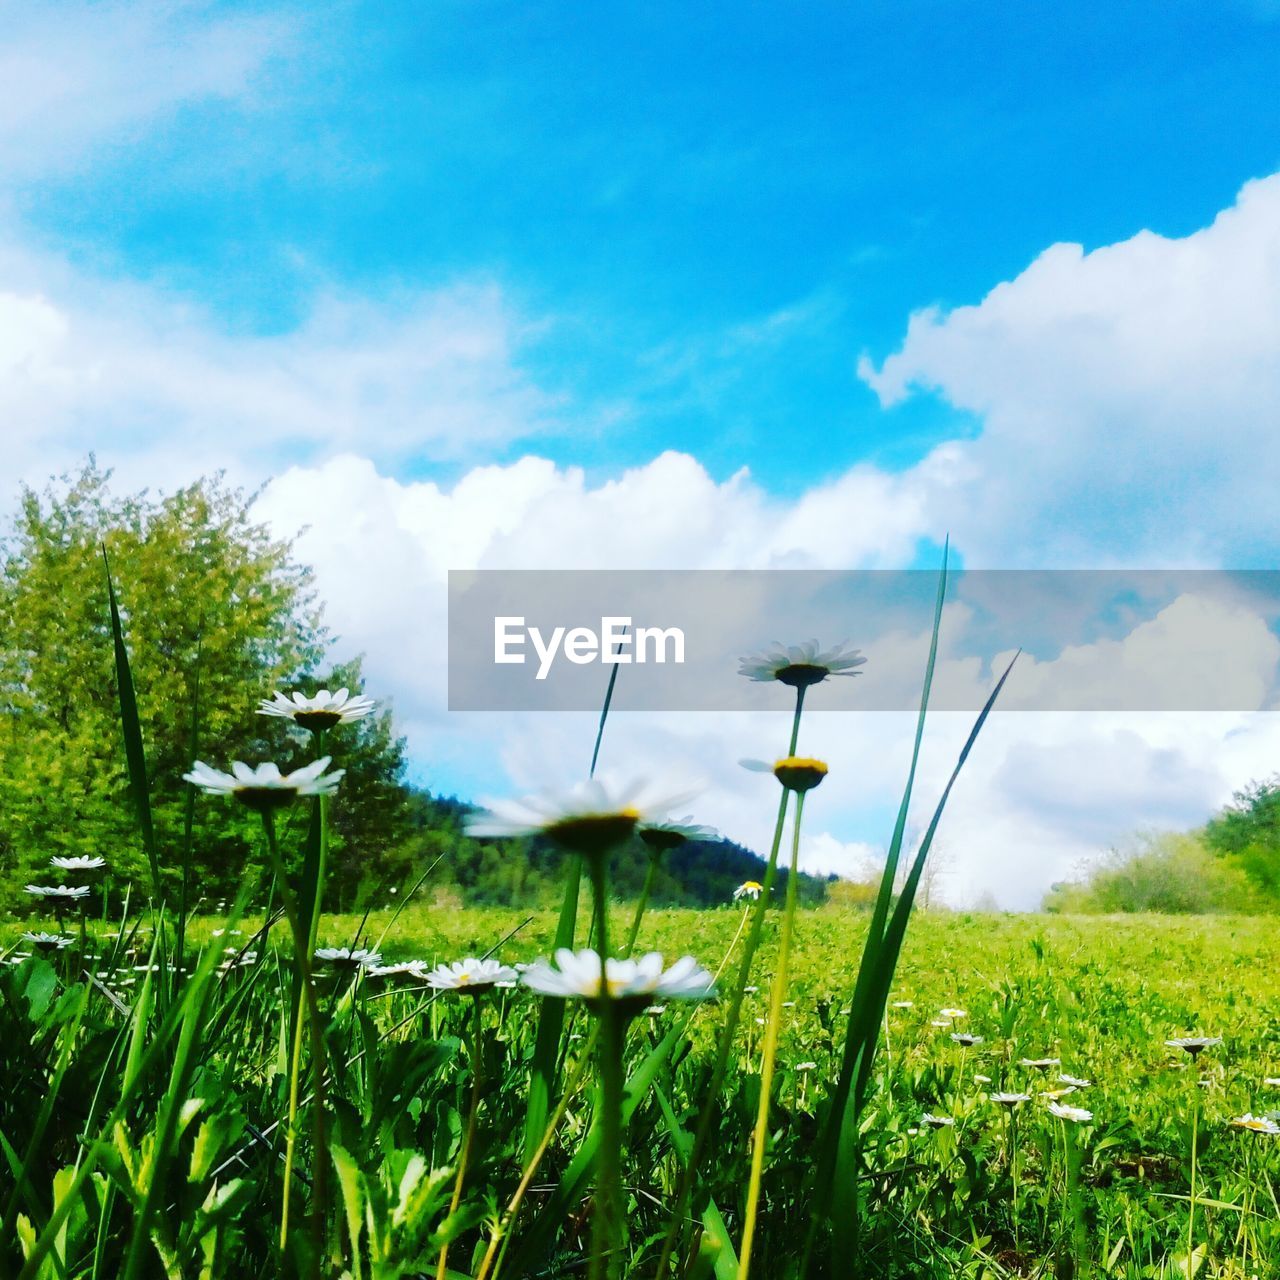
<point x="964" y="1039"/>
<point x="1075" y="1082"/>
<point x="952" y="1013"/>
<point x="1077" y="1115"/>
<point x="317" y="713"/>
<point x="471" y="976"/>
<point x="936" y="1122"/>
<point x="47" y="941"/>
<point x="1255" y="1124"/>
<point x="659" y="837"/>
<point x="77" y="863"/>
<point x="591" y="818"/>
<point x="1009" y="1099"/>
<point x="1194" y="1045"/>
<point x="796" y="773"/>
<point x="801" y="665"/>
<point x="346" y="958"/>
<point x="748" y="889"/>
<point x="806" y="1066"/>
<point x="1040" y="1064"/>
<point x="72" y="892"/>
<point x="632" y="983"/>
<point x="265" y="788"/>
<point x="903" y="1004"/>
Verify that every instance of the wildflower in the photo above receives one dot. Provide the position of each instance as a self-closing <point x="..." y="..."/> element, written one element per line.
<point x="1194" y="1045"/>
<point x="589" y="819"/>
<point x="940" y="1022"/>
<point x="1052" y="1095"/>
<point x="408" y="968"/>
<point x="265" y="788"/>
<point x="47" y="941"/>
<point x="806" y="1066"/>
<point x="1010" y="1099"/>
<point x="796" y="773"/>
<point x="659" y="837"/>
<point x="801" y="665"/>
<point x="951" y="1014"/>
<point x="656" y="1010"/>
<point x="471" y="976"/>
<point x="318" y="713"/>
<point x="748" y="889"/>
<point x="1074" y="1082"/>
<point x="750" y="991"/>
<point x="904" y="1004"/>
<point x="1077" y="1115"/>
<point x="631" y="983"/>
<point x="936" y="1122"/>
<point x="73" y="892"/>
<point x="965" y="1040"/>
<point x="346" y="958"/>
<point x="77" y="863"/>
<point x="981" y="1079"/>
<point x="1255" y="1124"/>
<point x="1272" y="1081"/>
<point x="1039" y="1064"/>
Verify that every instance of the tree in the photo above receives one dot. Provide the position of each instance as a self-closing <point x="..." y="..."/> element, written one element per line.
<point x="1247" y="833"/>
<point x="205" y="592"/>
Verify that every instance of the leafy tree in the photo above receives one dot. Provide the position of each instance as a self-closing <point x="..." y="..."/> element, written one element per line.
<point x="1247" y="833"/>
<point x="206" y="592"/>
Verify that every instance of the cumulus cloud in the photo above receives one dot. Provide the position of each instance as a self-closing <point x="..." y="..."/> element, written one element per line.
<point x="1128" y="398"/>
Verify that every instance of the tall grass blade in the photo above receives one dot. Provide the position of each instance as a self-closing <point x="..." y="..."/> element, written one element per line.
<point x="135" y="754"/>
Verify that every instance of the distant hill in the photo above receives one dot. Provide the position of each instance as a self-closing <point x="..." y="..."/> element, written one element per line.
<point x="701" y="873"/>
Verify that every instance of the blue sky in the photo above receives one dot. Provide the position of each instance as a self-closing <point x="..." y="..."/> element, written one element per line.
<point x="706" y="211"/>
<point x="748" y="286"/>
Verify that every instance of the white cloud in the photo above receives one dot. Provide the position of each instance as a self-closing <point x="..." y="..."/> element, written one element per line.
<point x="79" y="76"/>
<point x="86" y="363"/>
<point x="1128" y="400"/>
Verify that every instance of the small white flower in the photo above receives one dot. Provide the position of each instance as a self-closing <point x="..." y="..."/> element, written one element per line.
<point x="1272" y="1082"/>
<point x="806" y="1066"/>
<point x="346" y="958"/>
<point x="801" y="665"/>
<point x="903" y="1004"/>
<point x="940" y="1022"/>
<point x="1255" y="1124"/>
<point x="78" y="863"/>
<point x="68" y="891"/>
<point x="1194" y="1045"/>
<point x="1040" y="1064"/>
<point x="265" y="787"/>
<point x="322" y="711"/>
<point x="952" y="1013"/>
<point x="402" y="968"/>
<point x="1074" y="1082"/>
<point x="981" y="1079"/>
<point x="964" y="1039"/>
<point x="578" y="975"/>
<point x="748" y="889"/>
<point x="1077" y="1115"/>
<point x="471" y="976"/>
<point x="659" y="837"/>
<point x="936" y="1122"/>
<point x="589" y="818"/>
<point x="1010" y="1099"/>
<point x="47" y="941"/>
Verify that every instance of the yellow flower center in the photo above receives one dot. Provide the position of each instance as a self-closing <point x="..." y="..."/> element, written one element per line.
<point x="799" y="773"/>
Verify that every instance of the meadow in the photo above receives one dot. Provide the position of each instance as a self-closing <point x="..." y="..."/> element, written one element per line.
<point x="434" y="1089"/>
<point x="1099" y="995"/>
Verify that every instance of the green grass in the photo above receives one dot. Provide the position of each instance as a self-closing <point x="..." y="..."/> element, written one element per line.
<point x="1101" y="994"/>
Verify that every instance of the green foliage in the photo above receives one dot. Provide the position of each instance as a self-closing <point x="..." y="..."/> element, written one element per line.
<point x="1247" y="833"/>
<point x="1166" y="872"/>
<point x="193" y="571"/>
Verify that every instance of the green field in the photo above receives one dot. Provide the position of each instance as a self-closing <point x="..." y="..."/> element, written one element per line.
<point x="1101" y="995"/>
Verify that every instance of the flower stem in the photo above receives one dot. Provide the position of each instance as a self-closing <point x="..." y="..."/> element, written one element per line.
<point x="473" y="1112"/>
<point x="606" y="1221"/>
<point x="650" y="876"/>
<point x="1191" y="1216"/>
<point x="306" y="1005"/>
<point x="526" y="1180"/>
<point x="685" y="1190"/>
<point x="771" y="1049"/>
